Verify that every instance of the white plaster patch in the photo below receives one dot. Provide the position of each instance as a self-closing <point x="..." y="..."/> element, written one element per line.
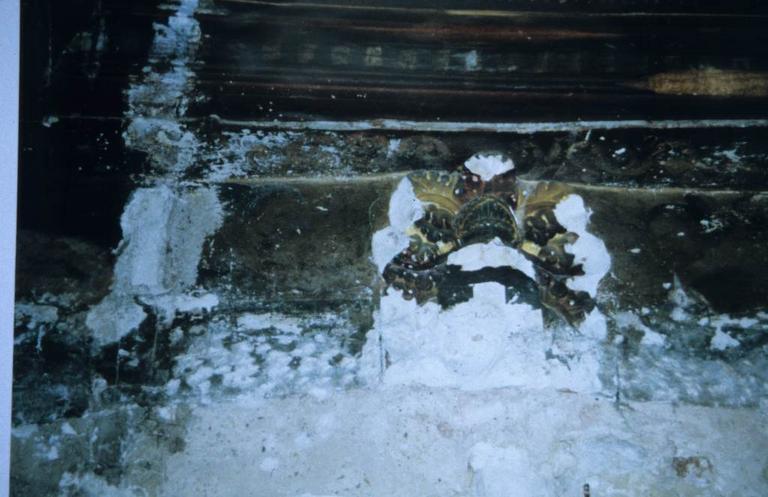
<point x="492" y="254"/>
<point x="653" y="338"/>
<point x="166" y="413"/>
<point x="594" y="325"/>
<point x="732" y="154"/>
<point x="503" y="472"/>
<point x="195" y="303"/>
<point x="628" y="319"/>
<point x="588" y="250"/>
<point x="404" y="209"/>
<point x="48" y="121"/>
<point x="114" y="317"/>
<point x="139" y="268"/>
<point x="678" y="314"/>
<point x="471" y="61"/>
<point x="169" y="144"/>
<point x="482" y="343"/>
<point x="487" y="166"/>
<point x="25" y="431"/>
<point x="37" y="314"/>
<point x="163" y="236"/>
<point x="67" y="429"/>
<point x="392" y="146"/>
<point x="413" y="441"/>
<point x="269" y="464"/>
<point x="52" y="454"/>
<point x="722" y="341"/>
<point x="711" y="225"/>
<point x="186" y="303"/>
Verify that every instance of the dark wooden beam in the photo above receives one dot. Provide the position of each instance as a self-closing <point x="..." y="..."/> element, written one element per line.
<point x="504" y="61"/>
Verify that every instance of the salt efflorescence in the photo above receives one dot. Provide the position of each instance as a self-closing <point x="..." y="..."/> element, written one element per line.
<point x="36" y="314"/>
<point x="91" y="485"/>
<point x="163" y="228"/>
<point x="485" y="342"/>
<point x="281" y="322"/>
<point x="231" y="158"/>
<point x="161" y="97"/>
<point x="267" y="354"/>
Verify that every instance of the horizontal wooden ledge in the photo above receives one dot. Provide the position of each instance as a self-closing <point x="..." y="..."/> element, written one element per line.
<point x="693" y="84"/>
<point x="528" y="127"/>
<point x="493" y="127"/>
<point x="391" y="178"/>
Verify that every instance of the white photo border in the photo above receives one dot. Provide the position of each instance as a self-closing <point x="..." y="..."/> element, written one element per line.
<point x="9" y="145"/>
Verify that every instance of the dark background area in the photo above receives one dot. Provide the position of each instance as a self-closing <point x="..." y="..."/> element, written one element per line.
<point x="77" y="57"/>
<point x="277" y="61"/>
